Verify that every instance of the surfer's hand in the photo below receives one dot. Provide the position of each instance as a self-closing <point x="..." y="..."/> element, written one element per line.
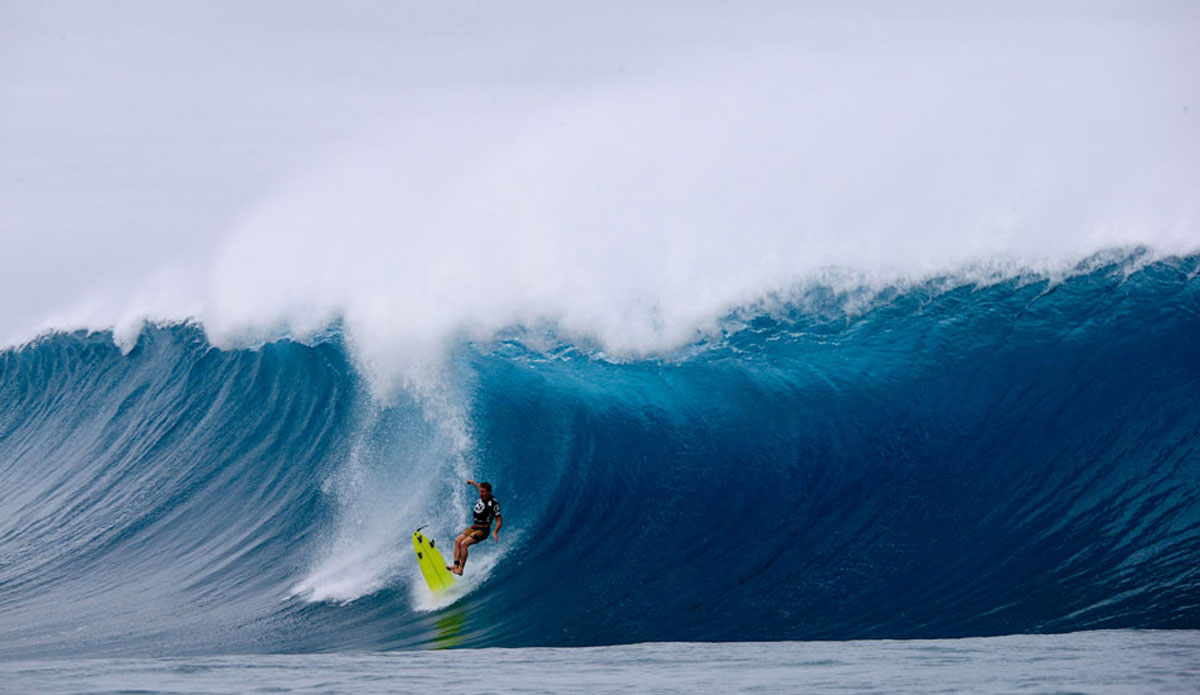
<point x="496" y="536"/>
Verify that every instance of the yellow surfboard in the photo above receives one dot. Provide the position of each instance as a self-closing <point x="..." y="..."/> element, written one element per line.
<point x="433" y="567"/>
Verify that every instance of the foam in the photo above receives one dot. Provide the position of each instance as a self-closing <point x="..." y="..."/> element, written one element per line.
<point x="405" y="470"/>
<point x="637" y="213"/>
<point x="608" y="219"/>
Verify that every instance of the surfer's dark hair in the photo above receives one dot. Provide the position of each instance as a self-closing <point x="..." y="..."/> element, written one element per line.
<point x="486" y="486"/>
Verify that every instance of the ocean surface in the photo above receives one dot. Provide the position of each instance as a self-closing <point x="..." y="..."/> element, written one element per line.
<point x="1121" y="661"/>
<point x="938" y="460"/>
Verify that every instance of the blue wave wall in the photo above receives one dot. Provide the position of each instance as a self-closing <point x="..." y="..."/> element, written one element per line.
<point x="955" y="460"/>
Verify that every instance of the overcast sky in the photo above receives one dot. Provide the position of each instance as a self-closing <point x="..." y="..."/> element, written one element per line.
<point x="135" y="135"/>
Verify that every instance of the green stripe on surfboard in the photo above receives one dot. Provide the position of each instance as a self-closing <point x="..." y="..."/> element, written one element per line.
<point x="433" y="567"/>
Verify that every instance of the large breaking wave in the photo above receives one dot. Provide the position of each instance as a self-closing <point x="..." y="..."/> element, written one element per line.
<point x="938" y="459"/>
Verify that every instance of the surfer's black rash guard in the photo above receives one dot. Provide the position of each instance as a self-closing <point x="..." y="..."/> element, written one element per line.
<point x="486" y="512"/>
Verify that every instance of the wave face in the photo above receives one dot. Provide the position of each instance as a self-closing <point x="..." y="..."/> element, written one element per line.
<point x="940" y="460"/>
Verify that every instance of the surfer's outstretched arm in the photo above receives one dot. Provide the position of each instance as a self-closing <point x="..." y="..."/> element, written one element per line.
<point x="499" y="523"/>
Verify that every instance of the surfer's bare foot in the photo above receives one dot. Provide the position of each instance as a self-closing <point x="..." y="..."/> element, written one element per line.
<point x="451" y="567"/>
<point x="456" y="570"/>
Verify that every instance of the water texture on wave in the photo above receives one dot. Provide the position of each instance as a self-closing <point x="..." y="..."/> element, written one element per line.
<point x="944" y="460"/>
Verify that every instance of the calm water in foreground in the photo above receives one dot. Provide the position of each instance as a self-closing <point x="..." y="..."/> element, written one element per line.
<point x="1122" y="661"/>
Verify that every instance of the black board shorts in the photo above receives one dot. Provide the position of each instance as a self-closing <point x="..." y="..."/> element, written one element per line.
<point x="479" y="533"/>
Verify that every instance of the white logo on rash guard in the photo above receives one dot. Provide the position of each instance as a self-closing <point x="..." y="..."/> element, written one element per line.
<point x="479" y="506"/>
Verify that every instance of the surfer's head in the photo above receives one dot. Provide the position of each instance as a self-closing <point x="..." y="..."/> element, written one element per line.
<point x="485" y="490"/>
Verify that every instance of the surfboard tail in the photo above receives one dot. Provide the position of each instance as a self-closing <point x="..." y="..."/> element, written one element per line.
<point x="431" y="562"/>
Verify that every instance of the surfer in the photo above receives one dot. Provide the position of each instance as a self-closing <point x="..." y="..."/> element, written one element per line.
<point x="486" y="510"/>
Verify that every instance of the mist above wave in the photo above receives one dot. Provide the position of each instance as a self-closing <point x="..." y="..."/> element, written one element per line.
<point x="636" y="213"/>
